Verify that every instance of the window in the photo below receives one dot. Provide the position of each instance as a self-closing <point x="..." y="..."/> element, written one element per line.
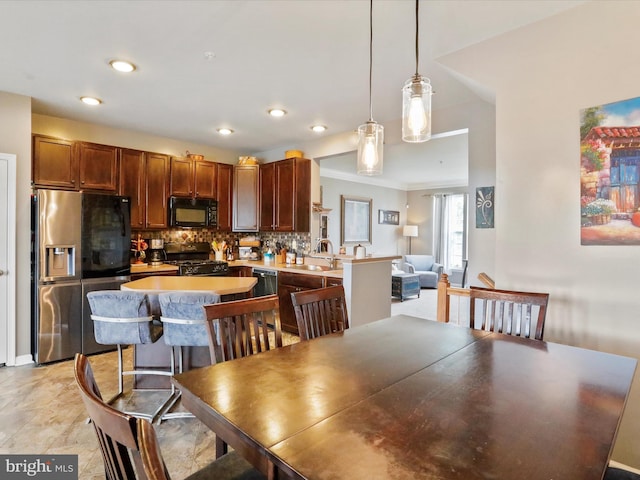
<point x="450" y="230"/>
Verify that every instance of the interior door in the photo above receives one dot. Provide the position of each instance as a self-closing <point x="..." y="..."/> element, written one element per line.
<point x="7" y="258"/>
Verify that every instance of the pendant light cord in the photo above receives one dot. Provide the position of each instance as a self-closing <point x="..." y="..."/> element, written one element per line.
<point x="417" y="3"/>
<point x="370" y="57"/>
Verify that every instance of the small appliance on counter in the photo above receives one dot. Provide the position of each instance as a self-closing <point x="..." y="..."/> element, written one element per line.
<point x="157" y="254"/>
<point x="249" y="249"/>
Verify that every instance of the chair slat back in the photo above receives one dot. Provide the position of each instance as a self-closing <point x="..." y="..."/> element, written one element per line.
<point x="320" y="312"/>
<point x="116" y="431"/>
<point x="240" y="328"/>
<point x="509" y="312"/>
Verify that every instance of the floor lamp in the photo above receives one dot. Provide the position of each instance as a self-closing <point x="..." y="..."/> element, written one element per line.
<point x="410" y="231"/>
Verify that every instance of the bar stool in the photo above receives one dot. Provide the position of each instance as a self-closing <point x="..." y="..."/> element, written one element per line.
<point x="184" y="325"/>
<point x="124" y="318"/>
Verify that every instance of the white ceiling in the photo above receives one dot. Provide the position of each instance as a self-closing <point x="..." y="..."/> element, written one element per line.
<point x="309" y="57"/>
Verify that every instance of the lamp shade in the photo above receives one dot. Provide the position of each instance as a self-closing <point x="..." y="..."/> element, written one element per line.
<point x="410" y="231"/>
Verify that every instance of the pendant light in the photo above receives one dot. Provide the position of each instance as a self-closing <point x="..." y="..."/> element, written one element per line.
<point x="370" y="134"/>
<point x="416" y="104"/>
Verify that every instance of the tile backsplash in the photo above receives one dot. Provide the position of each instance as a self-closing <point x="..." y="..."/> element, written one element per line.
<point x="302" y="240"/>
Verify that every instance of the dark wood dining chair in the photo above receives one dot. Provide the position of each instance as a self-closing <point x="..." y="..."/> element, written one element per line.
<point x="124" y="447"/>
<point x="240" y="328"/>
<point x="320" y="312"/>
<point x="509" y="312"/>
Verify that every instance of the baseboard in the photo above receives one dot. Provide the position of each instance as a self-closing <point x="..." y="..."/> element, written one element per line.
<point x="23" y="360"/>
<point x="622" y="466"/>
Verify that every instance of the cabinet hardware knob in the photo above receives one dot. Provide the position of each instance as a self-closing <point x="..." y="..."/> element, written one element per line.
<point x="1" y="273"/>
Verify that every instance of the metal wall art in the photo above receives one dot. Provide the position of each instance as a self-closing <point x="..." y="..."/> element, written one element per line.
<point x="484" y="207"/>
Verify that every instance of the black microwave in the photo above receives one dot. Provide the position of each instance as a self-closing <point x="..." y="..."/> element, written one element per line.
<point x="192" y="212"/>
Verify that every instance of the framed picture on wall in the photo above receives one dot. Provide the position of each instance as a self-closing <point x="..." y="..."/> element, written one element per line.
<point x="355" y="220"/>
<point x="484" y="207"/>
<point x="389" y="217"/>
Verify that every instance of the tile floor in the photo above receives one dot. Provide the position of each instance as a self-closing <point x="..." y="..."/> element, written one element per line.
<point x="41" y="410"/>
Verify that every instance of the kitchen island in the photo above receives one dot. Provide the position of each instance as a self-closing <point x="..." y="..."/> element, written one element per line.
<point x="157" y="356"/>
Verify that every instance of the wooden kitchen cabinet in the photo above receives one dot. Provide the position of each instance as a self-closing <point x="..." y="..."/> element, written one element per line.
<point x="224" y="195"/>
<point x="285" y="198"/>
<point x="156" y="190"/>
<point x="193" y="178"/>
<point x="54" y="163"/>
<point x="98" y="167"/>
<point x="245" y="198"/>
<point x="143" y="178"/>
<point x="290" y="283"/>
<point x="132" y="184"/>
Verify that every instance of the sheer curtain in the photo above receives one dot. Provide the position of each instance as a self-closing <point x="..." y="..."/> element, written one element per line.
<point x="439" y="238"/>
<point x="450" y="230"/>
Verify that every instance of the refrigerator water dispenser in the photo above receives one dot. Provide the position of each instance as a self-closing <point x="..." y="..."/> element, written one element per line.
<point x="60" y="261"/>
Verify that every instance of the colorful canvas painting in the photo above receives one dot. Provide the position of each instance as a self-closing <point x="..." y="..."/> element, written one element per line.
<point x="484" y="207"/>
<point x="609" y="174"/>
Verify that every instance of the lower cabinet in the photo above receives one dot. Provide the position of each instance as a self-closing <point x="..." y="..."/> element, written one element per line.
<point x="289" y="283"/>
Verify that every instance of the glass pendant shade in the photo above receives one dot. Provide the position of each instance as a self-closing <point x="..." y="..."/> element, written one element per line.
<point x="416" y="109"/>
<point x="370" y="141"/>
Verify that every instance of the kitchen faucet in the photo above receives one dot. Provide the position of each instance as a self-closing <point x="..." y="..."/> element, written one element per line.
<point x="331" y="258"/>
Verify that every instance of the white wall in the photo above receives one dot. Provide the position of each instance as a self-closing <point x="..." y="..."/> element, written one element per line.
<point x="386" y="239"/>
<point x="15" y="137"/>
<point x="543" y="75"/>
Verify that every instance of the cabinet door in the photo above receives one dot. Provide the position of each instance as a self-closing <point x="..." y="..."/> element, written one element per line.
<point x="224" y="196"/>
<point x="267" y="196"/>
<point x="285" y="190"/>
<point x="54" y="163"/>
<point x="181" y="177"/>
<point x="132" y="184"/>
<point x="98" y="167"/>
<point x="205" y="179"/>
<point x="156" y="190"/>
<point x="287" y="315"/>
<point x="302" y="196"/>
<point x="245" y="198"/>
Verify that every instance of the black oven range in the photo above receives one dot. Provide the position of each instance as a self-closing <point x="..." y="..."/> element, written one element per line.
<point x="193" y="259"/>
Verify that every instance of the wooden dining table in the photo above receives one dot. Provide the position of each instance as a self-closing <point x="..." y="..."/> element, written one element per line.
<point x="409" y="398"/>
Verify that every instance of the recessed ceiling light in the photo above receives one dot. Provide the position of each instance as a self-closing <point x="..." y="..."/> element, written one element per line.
<point x="91" y="100"/>
<point x="122" y="66"/>
<point x="224" y="131"/>
<point x="277" y="112"/>
<point x="318" y="128"/>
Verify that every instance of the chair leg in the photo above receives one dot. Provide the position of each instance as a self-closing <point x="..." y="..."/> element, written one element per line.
<point x="120" y="378"/>
<point x="163" y="412"/>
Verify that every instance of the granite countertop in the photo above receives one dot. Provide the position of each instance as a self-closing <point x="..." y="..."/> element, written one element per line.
<point x="310" y="260"/>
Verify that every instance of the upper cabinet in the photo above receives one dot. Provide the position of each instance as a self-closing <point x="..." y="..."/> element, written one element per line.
<point x="98" y="167"/>
<point x="285" y="196"/>
<point x="143" y="178"/>
<point x="54" y="163"/>
<point x="156" y="189"/>
<point x="132" y="185"/>
<point x="72" y="165"/>
<point x="193" y="178"/>
<point x="224" y="195"/>
<point x="245" y="198"/>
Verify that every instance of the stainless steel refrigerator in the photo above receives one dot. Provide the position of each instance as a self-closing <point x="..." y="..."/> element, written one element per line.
<point x="81" y="242"/>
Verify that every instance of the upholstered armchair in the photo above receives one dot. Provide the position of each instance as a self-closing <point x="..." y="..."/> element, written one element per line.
<point x="426" y="267"/>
